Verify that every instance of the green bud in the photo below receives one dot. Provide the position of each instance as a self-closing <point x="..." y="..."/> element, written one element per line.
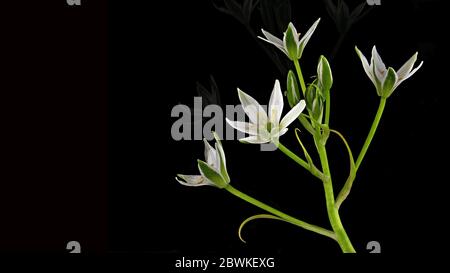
<point x="293" y="93"/>
<point x="324" y="74"/>
<point x="314" y="102"/>
<point x="317" y="109"/>
<point x="310" y="94"/>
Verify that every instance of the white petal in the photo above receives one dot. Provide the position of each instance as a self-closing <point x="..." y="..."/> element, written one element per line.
<point x="407" y="67"/>
<point x="305" y="39"/>
<point x="414" y="71"/>
<point x="380" y="68"/>
<point x="210" y="154"/>
<point x="244" y="127"/>
<point x="275" y="104"/>
<point x="409" y="75"/>
<point x="282" y="132"/>
<point x="254" y="140"/>
<point x="221" y="156"/>
<point x="365" y="65"/>
<point x="292" y="114"/>
<point x="253" y="109"/>
<point x="273" y="40"/>
<point x="193" y="180"/>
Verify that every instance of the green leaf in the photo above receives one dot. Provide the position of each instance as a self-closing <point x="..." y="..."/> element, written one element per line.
<point x="293" y="92"/>
<point x="210" y="174"/>
<point x="290" y="42"/>
<point x="389" y="82"/>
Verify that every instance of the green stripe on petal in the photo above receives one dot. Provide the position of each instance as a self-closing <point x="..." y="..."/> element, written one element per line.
<point x="210" y="174"/>
<point x="389" y="82"/>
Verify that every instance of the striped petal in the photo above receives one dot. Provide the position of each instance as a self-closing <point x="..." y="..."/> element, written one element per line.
<point x="365" y="65"/>
<point x="193" y="180"/>
<point x="255" y="140"/>
<point x="273" y="40"/>
<point x="379" y="67"/>
<point x="244" y="127"/>
<point x="276" y="104"/>
<point x="292" y="115"/>
<point x="252" y="108"/>
<point x="305" y="39"/>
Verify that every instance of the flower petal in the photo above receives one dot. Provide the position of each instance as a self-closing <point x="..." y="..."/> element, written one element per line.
<point x="271" y="38"/>
<point x="193" y="180"/>
<point x="305" y="39"/>
<point x="407" y="67"/>
<point x="379" y="67"/>
<point x="254" y="140"/>
<point x="291" y="42"/>
<point x="253" y="109"/>
<point x="210" y="174"/>
<point x="282" y="131"/>
<point x="275" y="104"/>
<point x="389" y="83"/>
<point x="292" y="115"/>
<point x="221" y="155"/>
<point x="274" y="41"/>
<point x="409" y="75"/>
<point x="210" y="154"/>
<point x="245" y="127"/>
<point x="366" y="65"/>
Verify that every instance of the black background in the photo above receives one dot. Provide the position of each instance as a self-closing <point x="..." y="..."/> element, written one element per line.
<point x="98" y="166"/>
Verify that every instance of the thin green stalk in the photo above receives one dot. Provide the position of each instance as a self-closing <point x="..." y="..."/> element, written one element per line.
<point x="300" y="76"/>
<point x="293" y="156"/>
<point x="293" y="220"/>
<point x="300" y="161"/>
<point x="345" y="191"/>
<point x="372" y="131"/>
<point x="333" y="214"/>
<point x="327" y="107"/>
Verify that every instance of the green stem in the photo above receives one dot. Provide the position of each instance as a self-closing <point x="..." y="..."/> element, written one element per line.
<point x="300" y="76"/>
<point x="372" y="131"/>
<point x="327" y="107"/>
<point x="300" y="161"/>
<point x="333" y="214"/>
<point x="293" y="156"/>
<point x="280" y="214"/>
<point x="345" y="191"/>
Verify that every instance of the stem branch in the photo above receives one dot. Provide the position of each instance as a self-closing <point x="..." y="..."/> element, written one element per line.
<point x="280" y="214"/>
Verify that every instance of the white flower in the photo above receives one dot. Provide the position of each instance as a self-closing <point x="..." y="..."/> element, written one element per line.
<point x="386" y="80"/>
<point x="263" y="127"/>
<point x="213" y="172"/>
<point x="291" y="45"/>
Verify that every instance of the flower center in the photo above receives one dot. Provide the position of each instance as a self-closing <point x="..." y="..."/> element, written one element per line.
<point x="269" y="126"/>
